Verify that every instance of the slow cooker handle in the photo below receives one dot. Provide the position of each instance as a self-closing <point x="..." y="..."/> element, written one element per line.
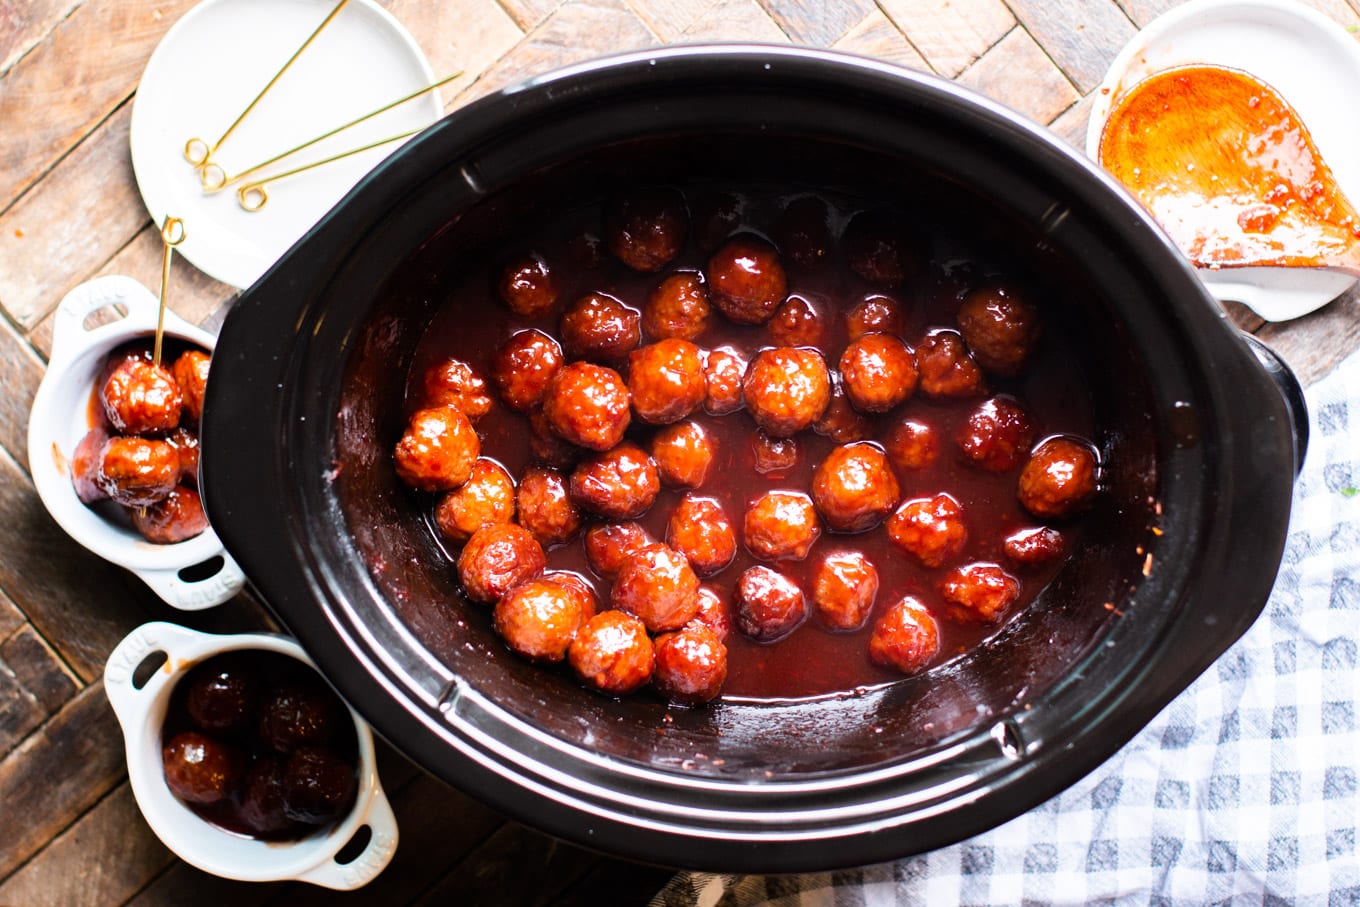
<point x="1290" y="389"/>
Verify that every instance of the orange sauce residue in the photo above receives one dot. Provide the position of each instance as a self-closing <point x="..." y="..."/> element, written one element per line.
<point x="1226" y="166"/>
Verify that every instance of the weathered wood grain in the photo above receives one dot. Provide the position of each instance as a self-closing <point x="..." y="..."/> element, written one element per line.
<point x="950" y="34"/>
<point x="23" y="25"/>
<point x="876" y="36"/>
<point x="11" y="618"/>
<point x="728" y="20"/>
<point x="667" y="19"/>
<point x="515" y="866"/>
<point x="1020" y="75"/>
<point x="20" y="711"/>
<point x="102" y="859"/>
<point x="466" y="36"/>
<point x="1083" y="52"/>
<point x="529" y="13"/>
<point x="34" y="684"/>
<point x="1070" y="125"/>
<point x="816" y="22"/>
<point x="56" y="774"/>
<point x="20" y="373"/>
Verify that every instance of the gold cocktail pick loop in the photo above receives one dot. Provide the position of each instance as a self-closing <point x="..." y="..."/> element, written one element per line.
<point x="172" y="234"/>
<point x="252" y="196"/>
<point x="199" y="153"/>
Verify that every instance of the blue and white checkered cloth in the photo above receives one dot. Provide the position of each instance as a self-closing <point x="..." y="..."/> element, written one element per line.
<point x="1242" y="791"/>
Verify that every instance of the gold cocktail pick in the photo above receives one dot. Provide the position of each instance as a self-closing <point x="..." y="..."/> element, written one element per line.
<point x="252" y="196"/>
<point x="172" y="234"/>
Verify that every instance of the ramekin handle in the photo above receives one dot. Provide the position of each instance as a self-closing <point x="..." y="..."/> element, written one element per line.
<point x="364" y="868"/>
<point x="130" y="702"/>
<point x="195" y="595"/>
<point x="68" y="324"/>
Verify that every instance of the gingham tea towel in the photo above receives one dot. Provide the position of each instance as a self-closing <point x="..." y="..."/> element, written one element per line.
<point x="1243" y="791"/>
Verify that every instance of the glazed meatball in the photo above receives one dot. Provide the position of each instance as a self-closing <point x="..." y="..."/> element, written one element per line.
<point x="768" y="605"/>
<point x="612" y="653"/>
<point x="979" y="592"/>
<point x="841" y="422"/>
<point x="677" y="308"/>
<point x="781" y="525"/>
<point x="878" y="249"/>
<point x="200" y="769"/>
<point x="175" y="518"/>
<point x="854" y="488"/>
<point x="713" y="612"/>
<point x="906" y="637"/>
<point x="620" y="484"/>
<point x="684" y="454"/>
<point x="646" y="230"/>
<point x="700" y="530"/>
<point x="912" y="445"/>
<point x="548" y="447"/>
<point x="844" y="587"/>
<point x="773" y="457"/>
<point x="874" y="314"/>
<point x="523" y="368"/>
<point x="666" y="380"/>
<point x="186" y="443"/>
<point x="723" y="372"/>
<point x="691" y="665"/>
<point x="298" y="712"/>
<point x="997" y="435"/>
<point x="930" y="529"/>
<point x="946" y="368"/>
<point x="262" y="807"/>
<point x="487" y="497"/>
<point x="1000" y="328"/>
<point x="657" y="585"/>
<point x="797" y="323"/>
<point x="138" y="472"/>
<point x="746" y="279"/>
<point x="498" y="558"/>
<point x="1059" y="479"/>
<point x="803" y="230"/>
<point x="86" y="462"/>
<point x="786" y="389"/>
<point x="588" y="405"/>
<point x="318" y="786"/>
<point x="528" y="287"/>
<point x="608" y="545"/>
<point x="545" y="507"/>
<point x="191" y="374"/>
<point x="1034" y="546"/>
<point x="437" y="450"/>
<point x="539" y="619"/>
<point x="878" y="372"/>
<point x="600" y="327"/>
<point x="141" y="397"/>
<point x="452" y="382"/>
<point x="221" y="695"/>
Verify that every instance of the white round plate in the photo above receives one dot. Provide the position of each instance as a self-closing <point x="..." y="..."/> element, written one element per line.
<point x="208" y="68"/>
<point x="1311" y="60"/>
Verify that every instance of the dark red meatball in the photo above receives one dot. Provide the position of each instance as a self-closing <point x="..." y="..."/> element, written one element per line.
<point x="946" y="368"/>
<point x="678" y="307"/>
<point x="298" y="712"/>
<point x="588" y="405"/>
<point x="878" y="372"/>
<point x="1059" y="479"/>
<point x="141" y="397"/>
<point x="600" y="327"/>
<point x="666" y="380"/>
<point x="452" y="382"/>
<point x="875" y="314"/>
<point x="844" y="587"/>
<point x="620" y="484"/>
<point x="803" y="230"/>
<point x="647" y="229"/>
<point x="684" y="454"/>
<point x="201" y="769"/>
<point x="700" y="530"/>
<point x="773" y="457"/>
<point x="547" y="446"/>
<point x="545" y="507"/>
<point x="713" y="611"/>
<point x="691" y="665"/>
<point x="768" y="605"/>
<point x="906" y="637"/>
<point x="138" y="472"/>
<point x="930" y="529"/>
<point x="496" y="559"/>
<point x="86" y="462"/>
<point x="1000" y="328"/>
<point x="724" y="369"/>
<point x="221" y="695"/>
<point x="787" y="389"/>
<point x="488" y="496"/>
<point x="841" y="422"/>
<point x="878" y="249"/>
<point x="318" y="786"/>
<point x="854" y="488"/>
<point x="912" y="445"/>
<point x="979" y="592"/>
<point x="612" y="653"/>
<point x="437" y="450"/>
<point x="539" y="619"/>
<point x="781" y="525"/>
<point x="746" y="279"/>
<point x="997" y="435"/>
<point x="262" y="806"/>
<point x="1033" y="546"/>
<point x="528" y="287"/>
<point x="523" y="368"/>
<point x="186" y="443"/>
<point x="177" y="517"/>
<point x="608" y="545"/>
<point x="657" y="585"/>
<point x="191" y="374"/>
<point x="797" y="322"/>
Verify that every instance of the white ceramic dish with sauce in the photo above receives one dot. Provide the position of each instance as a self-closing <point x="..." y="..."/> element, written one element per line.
<point x="1311" y="60"/>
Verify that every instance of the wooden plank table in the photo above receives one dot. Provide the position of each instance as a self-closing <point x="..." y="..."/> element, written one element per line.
<point x="70" y="832"/>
